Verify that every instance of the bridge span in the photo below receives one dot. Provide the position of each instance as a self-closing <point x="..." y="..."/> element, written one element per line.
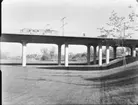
<point x="24" y="39"/>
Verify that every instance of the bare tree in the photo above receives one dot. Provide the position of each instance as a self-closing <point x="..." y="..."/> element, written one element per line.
<point x="120" y="27"/>
<point x="38" y="31"/>
<point x="52" y="52"/>
<point x="45" y="54"/>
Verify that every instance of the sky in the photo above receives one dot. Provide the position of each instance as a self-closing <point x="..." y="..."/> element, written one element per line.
<point x="82" y="16"/>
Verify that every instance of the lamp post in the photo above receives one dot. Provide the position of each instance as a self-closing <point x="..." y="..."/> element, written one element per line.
<point x="136" y="18"/>
<point x="63" y="24"/>
<point x="136" y="11"/>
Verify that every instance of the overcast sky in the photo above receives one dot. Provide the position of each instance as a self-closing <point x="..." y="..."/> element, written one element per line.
<point x="82" y="16"/>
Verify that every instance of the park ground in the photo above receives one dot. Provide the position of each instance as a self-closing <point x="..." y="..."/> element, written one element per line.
<point x="38" y="85"/>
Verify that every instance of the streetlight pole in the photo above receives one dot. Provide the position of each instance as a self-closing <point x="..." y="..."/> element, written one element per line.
<point x="136" y="13"/>
<point x="63" y="24"/>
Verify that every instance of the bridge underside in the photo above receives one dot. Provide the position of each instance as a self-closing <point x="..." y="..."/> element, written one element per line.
<point x="60" y="40"/>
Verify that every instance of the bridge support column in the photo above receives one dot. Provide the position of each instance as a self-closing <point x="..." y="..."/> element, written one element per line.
<point x="88" y="54"/>
<point x="66" y="55"/>
<point x="133" y="51"/>
<point x="107" y="54"/>
<point x="114" y="52"/>
<point x="59" y="54"/>
<point x="23" y="54"/>
<point x="94" y="54"/>
<point x="100" y="55"/>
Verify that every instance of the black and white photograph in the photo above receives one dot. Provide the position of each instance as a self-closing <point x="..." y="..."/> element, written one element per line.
<point x="69" y="52"/>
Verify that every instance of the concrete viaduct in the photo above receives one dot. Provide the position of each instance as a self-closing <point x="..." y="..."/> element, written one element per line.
<point x="60" y="40"/>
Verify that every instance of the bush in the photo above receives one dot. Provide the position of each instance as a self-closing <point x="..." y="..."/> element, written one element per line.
<point x="44" y="57"/>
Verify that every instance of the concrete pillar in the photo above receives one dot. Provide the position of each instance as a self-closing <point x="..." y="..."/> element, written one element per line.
<point x="114" y="52"/>
<point x="124" y="49"/>
<point x="23" y="54"/>
<point x="100" y="55"/>
<point x="94" y="54"/>
<point x="107" y="54"/>
<point x="88" y="54"/>
<point x="59" y="54"/>
<point x="66" y="55"/>
<point x="134" y="51"/>
<point x="131" y="51"/>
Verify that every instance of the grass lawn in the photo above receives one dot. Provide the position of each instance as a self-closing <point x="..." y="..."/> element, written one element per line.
<point x="33" y="86"/>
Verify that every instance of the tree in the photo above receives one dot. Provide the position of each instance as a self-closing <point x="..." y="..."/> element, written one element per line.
<point x="120" y="27"/>
<point x="71" y="56"/>
<point x="45" y="54"/>
<point x="38" y="31"/>
<point x="52" y="52"/>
